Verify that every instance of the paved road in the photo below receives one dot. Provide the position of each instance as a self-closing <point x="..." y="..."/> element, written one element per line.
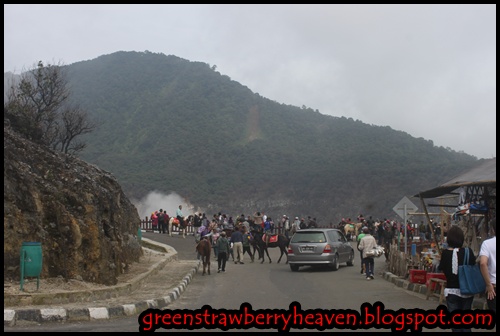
<point x="269" y="286"/>
<point x="274" y="286"/>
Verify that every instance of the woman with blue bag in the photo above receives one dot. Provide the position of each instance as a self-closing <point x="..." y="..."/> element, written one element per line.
<point x="451" y="259"/>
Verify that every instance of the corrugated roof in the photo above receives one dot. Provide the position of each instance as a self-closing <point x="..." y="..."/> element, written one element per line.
<point x="482" y="175"/>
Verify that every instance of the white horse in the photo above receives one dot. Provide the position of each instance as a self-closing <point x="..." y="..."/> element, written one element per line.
<point x="175" y="222"/>
<point x="352" y="230"/>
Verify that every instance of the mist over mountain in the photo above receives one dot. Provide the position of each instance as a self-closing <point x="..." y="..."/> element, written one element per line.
<point x="175" y="127"/>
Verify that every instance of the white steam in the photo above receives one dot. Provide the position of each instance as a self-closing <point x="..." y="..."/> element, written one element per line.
<point x="156" y="200"/>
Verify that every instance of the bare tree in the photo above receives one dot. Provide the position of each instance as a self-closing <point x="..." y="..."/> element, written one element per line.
<point x="37" y="106"/>
<point x="75" y="122"/>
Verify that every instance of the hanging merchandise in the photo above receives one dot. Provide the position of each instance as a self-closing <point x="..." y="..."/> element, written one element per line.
<point x="478" y="207"/>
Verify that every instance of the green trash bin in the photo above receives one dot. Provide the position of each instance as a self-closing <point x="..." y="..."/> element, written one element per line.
<point x="31" y="261"/>
<point x="139" y="234"/>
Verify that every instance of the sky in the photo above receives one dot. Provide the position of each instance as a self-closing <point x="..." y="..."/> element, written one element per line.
<point x="427" y="70"/>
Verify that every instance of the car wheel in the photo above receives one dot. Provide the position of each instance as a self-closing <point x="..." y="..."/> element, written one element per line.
<point x="335" y="265"/>
<point x="350" y="262"/>
<point x="294" y="268"/>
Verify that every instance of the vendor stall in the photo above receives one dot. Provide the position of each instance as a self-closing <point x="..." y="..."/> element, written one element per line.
<point x="473" y="201"/>
<point x="469" y="201"/>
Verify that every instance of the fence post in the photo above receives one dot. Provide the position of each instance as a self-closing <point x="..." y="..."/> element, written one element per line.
<point x="146" y="224"/>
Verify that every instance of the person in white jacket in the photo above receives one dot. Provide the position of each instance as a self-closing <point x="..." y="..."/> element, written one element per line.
<point x="295" y="226"/>
<point x="368" y="243"/>
<point x="488" y="264"/>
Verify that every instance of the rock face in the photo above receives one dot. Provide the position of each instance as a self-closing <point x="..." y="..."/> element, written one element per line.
<point x="86" y="225"/>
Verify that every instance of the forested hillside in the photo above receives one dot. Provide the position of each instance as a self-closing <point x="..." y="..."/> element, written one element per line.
<point x="172" y="125"/>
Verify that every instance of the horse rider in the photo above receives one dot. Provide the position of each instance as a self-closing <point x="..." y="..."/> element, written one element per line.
<point x="257" y="219"/>
<point x="180" y="217"/>
<point x="267" y="229"/>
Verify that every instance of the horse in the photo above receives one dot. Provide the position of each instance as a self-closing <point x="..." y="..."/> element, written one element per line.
<point x="175" y="222"/>
<point x="351" y="230"/>
<point x="204" y="249"/>
<point x="282" y="243"/>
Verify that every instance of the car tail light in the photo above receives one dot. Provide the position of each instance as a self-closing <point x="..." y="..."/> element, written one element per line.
<point x="290" y="251"/>
<point x="327" y="249"/>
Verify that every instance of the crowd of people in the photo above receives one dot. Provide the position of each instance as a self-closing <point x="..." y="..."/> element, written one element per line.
<point x="287" y="226"/>
<point x="237" y="231"/>
<point x="160" y="219"/>
<point x="384" y="230"/>
<point x="233" y="238"/>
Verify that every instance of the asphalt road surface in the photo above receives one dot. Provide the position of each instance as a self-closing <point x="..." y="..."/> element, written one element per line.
<point x="267" y="288"/>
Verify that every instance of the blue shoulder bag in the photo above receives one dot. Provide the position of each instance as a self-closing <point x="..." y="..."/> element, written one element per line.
<point x="470" y="278"/>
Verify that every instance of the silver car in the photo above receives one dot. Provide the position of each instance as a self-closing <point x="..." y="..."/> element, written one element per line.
<point x="315" y="247"/>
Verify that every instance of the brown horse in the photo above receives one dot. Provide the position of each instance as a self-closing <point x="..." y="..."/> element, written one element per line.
<point x="204" y="249"/>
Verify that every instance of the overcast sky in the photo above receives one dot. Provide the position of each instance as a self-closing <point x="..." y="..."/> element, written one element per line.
<point x="428" y="70"/>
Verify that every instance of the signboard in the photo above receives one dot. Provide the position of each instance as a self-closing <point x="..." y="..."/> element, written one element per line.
<point x="400" y="207"/>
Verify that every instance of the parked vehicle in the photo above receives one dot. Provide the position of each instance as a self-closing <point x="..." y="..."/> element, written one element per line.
<point x="319" y="247"/>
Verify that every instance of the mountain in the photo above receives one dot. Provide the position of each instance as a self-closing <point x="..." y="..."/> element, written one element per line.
<point x="171" y="125"/>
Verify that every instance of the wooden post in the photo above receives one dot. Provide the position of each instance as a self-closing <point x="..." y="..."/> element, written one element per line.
<point x="430" y="225"/>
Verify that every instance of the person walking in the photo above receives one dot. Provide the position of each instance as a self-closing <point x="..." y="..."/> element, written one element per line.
<point x="285" y="224"/>
<point x="422" y="229"/>
<point x="197" y="220"/>
<point x="247" y="239"/>
<point x="237" y="241"/>
<point x="204" y="220"/>
<point x="488" y="264"/>
<point x="380" y="233"/>
<point x="409" y="230"/>
<point x="311" y="223"/>
<point x="215" y="237"/>
<point x="361" y="235"/>
<point x="295" y="225"/>
<point x="451" y="258"/>
<point x="368" y="243"/>
<point x="302" y="224"/>
<point x="163" y="221"/>
<point x="154" y="220"/>
<point x="246" y="224"/>
<point x="223" y="251"/>
<point x="370" y="223"/>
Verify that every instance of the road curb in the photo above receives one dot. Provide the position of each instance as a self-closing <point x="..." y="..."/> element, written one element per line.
<point x="13" y="317"/>
<point x="478" y="303"/>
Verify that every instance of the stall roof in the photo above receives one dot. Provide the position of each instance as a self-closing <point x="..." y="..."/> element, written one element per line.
<point x="484" y="174"/>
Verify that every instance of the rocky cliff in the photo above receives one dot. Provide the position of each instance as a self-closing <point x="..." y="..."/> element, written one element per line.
<point x="86" y="225"/>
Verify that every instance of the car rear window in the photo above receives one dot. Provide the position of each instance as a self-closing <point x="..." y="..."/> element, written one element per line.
<point x="308" y="237"/>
